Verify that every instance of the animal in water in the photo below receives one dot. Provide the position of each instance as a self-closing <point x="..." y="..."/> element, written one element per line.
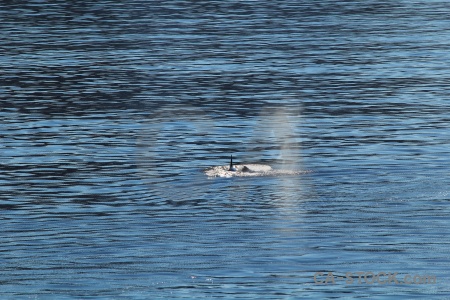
<point x="244" y="170"/>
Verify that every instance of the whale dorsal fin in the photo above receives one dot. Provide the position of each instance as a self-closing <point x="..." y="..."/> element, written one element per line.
<point x="231" y="165"/>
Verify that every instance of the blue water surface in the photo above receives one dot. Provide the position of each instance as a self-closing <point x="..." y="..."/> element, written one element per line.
<point x="111" y="110"/>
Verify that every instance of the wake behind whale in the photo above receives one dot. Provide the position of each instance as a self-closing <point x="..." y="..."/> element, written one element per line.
<point x="245" y="170"/>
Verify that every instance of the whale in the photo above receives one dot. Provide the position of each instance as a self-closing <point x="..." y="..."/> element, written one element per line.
<point x="247" y="170"/>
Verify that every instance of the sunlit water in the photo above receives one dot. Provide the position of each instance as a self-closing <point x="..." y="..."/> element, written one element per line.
<point x="110" y="112"/>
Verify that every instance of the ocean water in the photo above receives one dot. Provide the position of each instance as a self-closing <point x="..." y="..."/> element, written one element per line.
<point x="111" y="110"/>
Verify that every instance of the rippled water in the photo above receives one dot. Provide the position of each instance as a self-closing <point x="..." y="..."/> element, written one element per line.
<point x="110" y="111"/>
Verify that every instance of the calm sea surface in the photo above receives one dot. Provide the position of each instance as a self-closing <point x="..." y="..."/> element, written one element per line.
<point x="110" y="111"/>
